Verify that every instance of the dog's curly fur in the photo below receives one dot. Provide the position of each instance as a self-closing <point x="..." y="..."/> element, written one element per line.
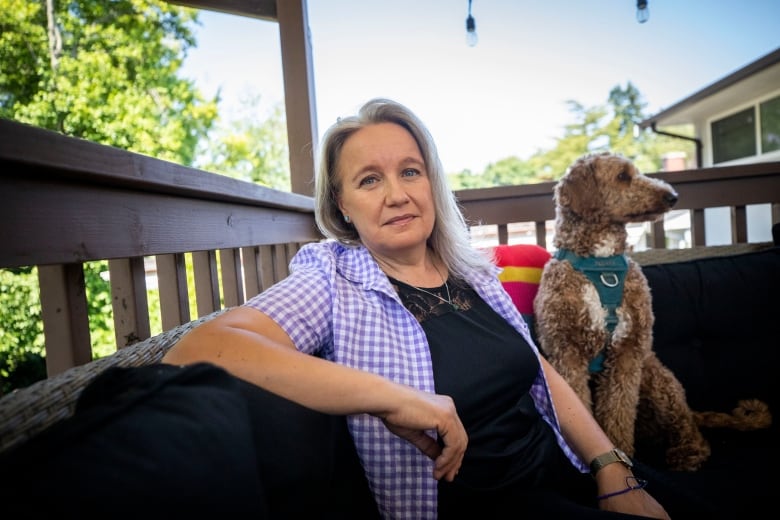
<point x="595" y="200"/>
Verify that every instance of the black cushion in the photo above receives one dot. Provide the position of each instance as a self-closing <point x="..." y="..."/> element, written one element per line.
<point x="143" y="442"/>
<point x="716" y="326"/>
<point x="160" y="440"/>
<point x="306" y="460"/>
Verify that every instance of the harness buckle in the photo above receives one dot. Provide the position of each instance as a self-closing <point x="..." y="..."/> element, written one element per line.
<point x="609" y="279"/>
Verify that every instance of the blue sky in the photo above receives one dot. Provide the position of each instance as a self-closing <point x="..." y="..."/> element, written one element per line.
<point x="507" y="95"/>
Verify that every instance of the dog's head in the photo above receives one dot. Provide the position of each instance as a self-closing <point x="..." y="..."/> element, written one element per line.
<point x="607" y="187"/>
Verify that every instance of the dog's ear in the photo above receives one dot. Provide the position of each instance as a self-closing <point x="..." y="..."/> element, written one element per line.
<point x="577" y="191"/>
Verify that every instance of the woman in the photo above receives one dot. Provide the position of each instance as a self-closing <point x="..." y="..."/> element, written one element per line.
<point x="398" y="323"/>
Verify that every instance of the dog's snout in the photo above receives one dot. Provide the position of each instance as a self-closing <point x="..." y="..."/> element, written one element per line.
<point x="671" y="198"/>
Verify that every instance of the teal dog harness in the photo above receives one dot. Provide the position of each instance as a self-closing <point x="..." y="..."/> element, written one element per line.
<point x="608" y="275"/>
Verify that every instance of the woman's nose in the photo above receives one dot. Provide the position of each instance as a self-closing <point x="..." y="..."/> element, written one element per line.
<point x="395" y="192"/>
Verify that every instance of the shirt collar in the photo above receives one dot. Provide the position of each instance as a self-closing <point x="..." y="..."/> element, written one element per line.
<point x="360" y="267"/>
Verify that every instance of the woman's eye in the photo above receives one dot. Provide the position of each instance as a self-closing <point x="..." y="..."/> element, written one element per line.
<point x="365" y="181"/>
<point x="410" y="172"/>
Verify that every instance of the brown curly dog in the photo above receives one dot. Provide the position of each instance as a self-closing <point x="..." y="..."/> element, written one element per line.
<point x="594" y="318"/>
<point x="593" y="309"/>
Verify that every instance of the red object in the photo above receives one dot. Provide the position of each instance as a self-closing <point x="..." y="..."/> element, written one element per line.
<point x="522" y="269"/>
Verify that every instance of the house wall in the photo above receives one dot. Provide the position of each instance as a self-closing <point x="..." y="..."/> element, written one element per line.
<point x="718" y="220"/>
<point x="703" y="127"/>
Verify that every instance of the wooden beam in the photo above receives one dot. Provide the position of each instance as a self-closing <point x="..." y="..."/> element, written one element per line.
<point x="65" y="317"/>
<point x="37" y="154"/>
<point x="658" y="235"/>
<point x="299" y="93"/>
<point x="232" y="279"/>
<point x="265" y="266"/>
<point x="540" y="227"/>
<point x="174" y="294"/>
<point x="263" y="9"/>
<point x="204" y="267"/>
<point x="128" y="300"/>
<point x="250" y="260"/>
<point x="114" y="223"/>
<point x="739" y="231"/>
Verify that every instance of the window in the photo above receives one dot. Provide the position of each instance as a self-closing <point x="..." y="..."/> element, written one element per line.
<point x="740" y="135"/>
<point x="770" y="125"/>
<point x="734" y="136"/>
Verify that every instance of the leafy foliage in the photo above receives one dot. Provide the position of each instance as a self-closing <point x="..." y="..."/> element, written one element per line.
<point x="98" y="293"/>
<point x="250" y="148"/>
<point x="612" y="126"/>
<point x="21" y="331"/>
<point x="106" y="72"/>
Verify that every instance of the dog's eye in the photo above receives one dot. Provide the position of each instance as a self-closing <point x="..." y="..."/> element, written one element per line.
<point x="624" y="176"/>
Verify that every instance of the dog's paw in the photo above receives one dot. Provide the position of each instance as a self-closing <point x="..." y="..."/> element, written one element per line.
<point x="688" y="457"/>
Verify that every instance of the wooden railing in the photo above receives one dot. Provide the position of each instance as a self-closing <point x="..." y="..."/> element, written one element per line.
<point x="67" y="201"/>
<point x="734" y="187"/>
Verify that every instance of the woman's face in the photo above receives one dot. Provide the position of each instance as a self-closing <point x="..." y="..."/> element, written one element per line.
<point x="385" y="189"/>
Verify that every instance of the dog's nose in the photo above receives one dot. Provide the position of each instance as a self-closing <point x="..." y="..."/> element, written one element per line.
<point x="671" y="198"/>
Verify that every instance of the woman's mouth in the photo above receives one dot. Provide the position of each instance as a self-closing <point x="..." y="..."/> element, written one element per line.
<point x="400" y="220"/>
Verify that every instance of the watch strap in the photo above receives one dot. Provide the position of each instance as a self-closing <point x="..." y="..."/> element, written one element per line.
<point x="610" y="457"/>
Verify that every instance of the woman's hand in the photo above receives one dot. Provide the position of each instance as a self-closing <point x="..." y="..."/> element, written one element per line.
<point x="253" y="347"/>
<point x="616" y="477"/>
<point x="420" y="412"/>
<point x="637" y="502"/>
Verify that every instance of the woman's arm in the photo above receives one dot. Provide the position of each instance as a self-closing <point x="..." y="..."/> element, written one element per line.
<point x="588" y="440"/>
<point x="253" y="347"/>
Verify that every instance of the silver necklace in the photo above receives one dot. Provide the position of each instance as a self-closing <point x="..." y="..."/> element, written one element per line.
<point x="455" y="306"/>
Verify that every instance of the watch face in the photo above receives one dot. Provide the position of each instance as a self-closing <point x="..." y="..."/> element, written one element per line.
<point x="623" y="457"/>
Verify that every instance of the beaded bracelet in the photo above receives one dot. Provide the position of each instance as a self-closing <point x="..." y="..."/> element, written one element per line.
<point x="640" y="483"/>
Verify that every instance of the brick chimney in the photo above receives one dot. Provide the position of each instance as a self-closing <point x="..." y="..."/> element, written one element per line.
<point x="673" y="161"/>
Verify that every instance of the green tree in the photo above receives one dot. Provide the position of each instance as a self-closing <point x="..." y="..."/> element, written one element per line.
<point x="585" y="134"/>
<point x="465" y="179"/>
<point x="21" y="331"/>
<point x="509" y="171"/>
<point x="99" y="308"/>
<point x="646" y="149"/>
<point x="106" y="72"/>
<point x="251" y="148"/>
<point x="610" y="127"/>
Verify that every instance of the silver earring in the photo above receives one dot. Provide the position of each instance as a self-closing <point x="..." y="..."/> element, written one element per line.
<point x="346" y="219"/>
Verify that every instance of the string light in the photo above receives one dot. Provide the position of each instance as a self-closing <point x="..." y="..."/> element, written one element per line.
<point x="642" y="13"/>
<point x="471" y="29"/>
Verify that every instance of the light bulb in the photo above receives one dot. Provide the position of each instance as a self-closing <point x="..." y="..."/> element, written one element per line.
<point x="642" y="13"/>
<point x="471" y="31"/>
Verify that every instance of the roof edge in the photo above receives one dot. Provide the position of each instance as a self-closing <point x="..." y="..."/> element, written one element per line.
<point x="748" y="70"/>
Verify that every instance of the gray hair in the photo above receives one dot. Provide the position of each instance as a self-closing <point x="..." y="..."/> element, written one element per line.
<point x="450" y="237"/>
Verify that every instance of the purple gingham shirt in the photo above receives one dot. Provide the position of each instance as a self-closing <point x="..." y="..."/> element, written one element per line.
<point x="338" y="303"/>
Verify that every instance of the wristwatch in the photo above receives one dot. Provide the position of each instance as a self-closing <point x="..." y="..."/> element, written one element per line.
<point x="613" y="455"/>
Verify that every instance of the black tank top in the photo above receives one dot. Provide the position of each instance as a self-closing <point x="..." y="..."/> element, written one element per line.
<point x="487" y="367"/>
